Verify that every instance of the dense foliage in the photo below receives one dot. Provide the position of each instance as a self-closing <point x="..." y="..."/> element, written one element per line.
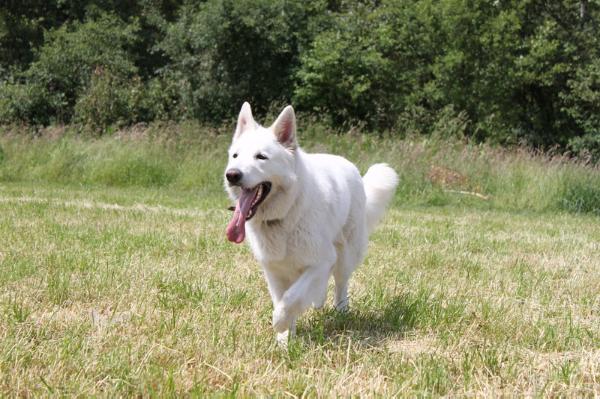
<point x="507" y="71"/>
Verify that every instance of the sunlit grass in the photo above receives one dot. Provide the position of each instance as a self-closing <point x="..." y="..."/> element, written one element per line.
<point x="135" y="291"/>
<point x="116" y="278"/>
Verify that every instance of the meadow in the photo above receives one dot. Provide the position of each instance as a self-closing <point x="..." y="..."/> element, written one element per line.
<point x="116" y="278"/>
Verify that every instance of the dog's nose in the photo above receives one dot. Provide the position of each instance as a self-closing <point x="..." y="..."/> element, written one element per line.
<point x="233" y="176"/>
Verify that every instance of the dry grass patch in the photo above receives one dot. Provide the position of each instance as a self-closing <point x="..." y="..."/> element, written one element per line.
<point x="131" y="292"/>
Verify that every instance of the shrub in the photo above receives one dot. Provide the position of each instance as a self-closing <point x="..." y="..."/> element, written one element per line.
<point x="583" y="105"/>
<point x="28" y="102"/>
<point x="507" y="72"/>
<point x="161" y="100"/>
<point x="70" y="55"/>
<point x="349" y="74"/>
<point x="586" y="147"/>
<point x="112" y="101"/>
<point x="227" y="52"/>
<point x="109" y="100"/>
<point x="519" y="72"/>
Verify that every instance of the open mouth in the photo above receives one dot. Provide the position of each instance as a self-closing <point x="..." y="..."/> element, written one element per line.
<point x="262" y="191"/>
<point x="246" y="207"/>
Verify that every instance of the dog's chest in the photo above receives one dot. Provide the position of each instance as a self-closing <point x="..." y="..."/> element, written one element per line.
<point x="274" y="243"/>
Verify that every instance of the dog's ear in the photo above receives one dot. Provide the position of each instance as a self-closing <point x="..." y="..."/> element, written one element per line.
<point x="285" y="128"/>
<point x="245" y="121"/>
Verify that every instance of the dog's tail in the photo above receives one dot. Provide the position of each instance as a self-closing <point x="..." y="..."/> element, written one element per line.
<point x="380" y="183"/>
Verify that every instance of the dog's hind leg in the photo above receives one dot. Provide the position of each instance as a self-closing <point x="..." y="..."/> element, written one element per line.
<point x="351" y="249"/>
<point x="341" y="274"/>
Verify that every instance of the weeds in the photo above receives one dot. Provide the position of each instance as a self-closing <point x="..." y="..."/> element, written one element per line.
<point x="188" y="157"/>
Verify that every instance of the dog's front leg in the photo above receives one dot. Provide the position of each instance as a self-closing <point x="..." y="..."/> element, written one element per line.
<point x="277" y="287"/>
<point x="305" y="291"/>
<point x="283" y="337"/>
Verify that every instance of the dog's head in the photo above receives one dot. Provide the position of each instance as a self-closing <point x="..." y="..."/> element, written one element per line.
<point x="261" y="169"/>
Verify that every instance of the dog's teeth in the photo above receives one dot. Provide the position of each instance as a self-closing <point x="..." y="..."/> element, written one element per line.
<point x="258" y="195"/>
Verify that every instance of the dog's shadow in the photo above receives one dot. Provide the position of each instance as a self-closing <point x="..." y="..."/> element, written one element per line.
<point x="370" y="322"/>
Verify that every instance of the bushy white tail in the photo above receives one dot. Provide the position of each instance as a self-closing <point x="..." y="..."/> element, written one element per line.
<point x="380" y="183"/>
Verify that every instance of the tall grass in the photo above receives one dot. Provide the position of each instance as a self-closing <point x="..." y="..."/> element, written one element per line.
<point x="187" y="156"/>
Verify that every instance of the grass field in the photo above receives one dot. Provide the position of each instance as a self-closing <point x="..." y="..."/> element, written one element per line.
<point x="129" y="288"/>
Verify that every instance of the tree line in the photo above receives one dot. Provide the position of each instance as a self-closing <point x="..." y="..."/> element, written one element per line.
<point x="507" y="71"/>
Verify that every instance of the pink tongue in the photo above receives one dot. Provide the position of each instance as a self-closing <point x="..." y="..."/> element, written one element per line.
<point x="236" y="231"/>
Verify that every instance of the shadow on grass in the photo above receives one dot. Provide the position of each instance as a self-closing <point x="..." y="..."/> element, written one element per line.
<point x="371" y="322"/>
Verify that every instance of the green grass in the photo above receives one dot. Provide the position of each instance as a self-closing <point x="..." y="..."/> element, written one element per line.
<point x="115" y="285"/>
<point x="152" y="300"/>
<point x="189" y="158"/>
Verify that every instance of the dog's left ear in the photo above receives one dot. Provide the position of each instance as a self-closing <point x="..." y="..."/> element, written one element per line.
<point x="245" y="121"/>
<point x="285" y="128"/>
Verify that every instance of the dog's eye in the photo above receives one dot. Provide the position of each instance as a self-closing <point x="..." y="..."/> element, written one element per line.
<point x="261" y="156"/>
<point x="235" y="155"/>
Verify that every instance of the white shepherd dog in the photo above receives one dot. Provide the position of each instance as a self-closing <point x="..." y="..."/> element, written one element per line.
<point x="306" y="216"/>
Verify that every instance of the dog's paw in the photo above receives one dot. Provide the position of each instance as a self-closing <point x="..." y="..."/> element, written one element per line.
<point x="283" y="339"/>
<point x="282" y="320"/>
<point x="318" y="304"/>
<point x="343" y="305"/>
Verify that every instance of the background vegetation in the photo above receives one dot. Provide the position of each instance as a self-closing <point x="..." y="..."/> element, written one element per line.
<point x="506" y="71"/>
<point x="188" y="158"/>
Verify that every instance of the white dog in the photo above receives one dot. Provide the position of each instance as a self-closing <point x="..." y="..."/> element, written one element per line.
<point x="306" y="216"/>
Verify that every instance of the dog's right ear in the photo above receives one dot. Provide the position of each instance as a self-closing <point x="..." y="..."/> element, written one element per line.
<point x="285" y="128"/>
<point x="245" y="121"/>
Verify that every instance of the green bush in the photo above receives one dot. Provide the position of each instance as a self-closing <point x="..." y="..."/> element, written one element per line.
<point x="587" y="147"/>
<point x="345" y="75"/>
<point x="105" y="102"/>
<point x="112" y="102"/>
<point x="507" y="72"/>
<point x="160" y="101"/>
<point x="583" y="105"/>
<point x="519" y="71"/>
<point x="28" y="102"/>
<point x="71" y="56"/>
<point x="227" y="52"/>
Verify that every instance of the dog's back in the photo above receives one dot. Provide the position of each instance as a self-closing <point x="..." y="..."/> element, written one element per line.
<point x="344" y="194"/>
